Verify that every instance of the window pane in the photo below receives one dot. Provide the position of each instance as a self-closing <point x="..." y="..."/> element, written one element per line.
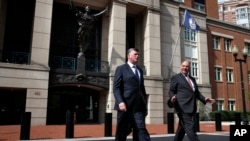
<point x="190" y="35"/>
<point x="229" y="73"/>
<point x="227" y="44"/>
<point x="216" y="42"/>
<point x="248" y="47"/>
<point x="217" y="74"/>
<point x="219" y="105"/>
<point x="231" y="105"/>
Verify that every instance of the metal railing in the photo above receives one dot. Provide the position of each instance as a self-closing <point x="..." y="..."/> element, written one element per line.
<point x="69" y="63"/>
<point x="97" y="66"/>
<point x="59" y="62"/>
<point x="16" y="57"/>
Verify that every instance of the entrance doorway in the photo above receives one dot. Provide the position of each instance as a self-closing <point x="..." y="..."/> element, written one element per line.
<point x="12" y="105"/>
<point x="82" y="102"/>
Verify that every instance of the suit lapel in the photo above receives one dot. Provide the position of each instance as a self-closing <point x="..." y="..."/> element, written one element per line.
<point x="185" y="80"/>
<point x="131" y="72"/>
<point x="129" y="69"/>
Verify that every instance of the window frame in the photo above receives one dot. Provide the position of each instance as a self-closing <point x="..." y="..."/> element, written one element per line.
<point x="191" y="50"/>
<point x="190" y="35"/>
<point x="227" y="44"/>
<point x="219" y="105"/>
<point x="199" y="6"/>
<point x="194" y="70"/>
<point x="216" y="42"/>
<point x="217" y="77"/>
<point x="248" y="77"/>
<point x="229" y="75"/>
<point x="231" y="106"/>
<point x="247" y="45"/>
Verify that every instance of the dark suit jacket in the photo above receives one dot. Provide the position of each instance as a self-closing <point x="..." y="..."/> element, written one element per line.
<point x="127" y="88"/>
<point x="185" y="95"/>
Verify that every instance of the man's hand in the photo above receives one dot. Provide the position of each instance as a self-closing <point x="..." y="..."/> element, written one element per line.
<point x="173" y="98"/>
<point x="122" y="107"/>
<point x="210" y="100"/>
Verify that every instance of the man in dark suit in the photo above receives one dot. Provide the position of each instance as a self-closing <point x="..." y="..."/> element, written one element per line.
<point x="183" y="93"/>
<point x="130" y="99"/>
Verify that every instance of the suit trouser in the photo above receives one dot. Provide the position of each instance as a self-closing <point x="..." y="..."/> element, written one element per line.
<point x="126" y="121"/>
<point x="186" y="125"/>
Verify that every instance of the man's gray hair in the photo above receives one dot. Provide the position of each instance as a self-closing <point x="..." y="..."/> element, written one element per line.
<point x="132" y="49"/>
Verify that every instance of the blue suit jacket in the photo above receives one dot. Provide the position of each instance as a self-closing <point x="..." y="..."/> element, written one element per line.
<point x="127" y="88"/>
<point x="185" y="95"/>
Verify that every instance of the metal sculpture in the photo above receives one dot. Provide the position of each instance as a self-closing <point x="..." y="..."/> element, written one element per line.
<point x="85" y="21"/>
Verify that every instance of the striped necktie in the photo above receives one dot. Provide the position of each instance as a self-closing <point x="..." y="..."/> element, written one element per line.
<point x="189" y="81"/>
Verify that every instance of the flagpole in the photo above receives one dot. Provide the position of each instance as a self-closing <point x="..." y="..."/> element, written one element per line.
<point x="189" y="22"/>
<point x="171" y="60"/>
<point x="178" y="37"/>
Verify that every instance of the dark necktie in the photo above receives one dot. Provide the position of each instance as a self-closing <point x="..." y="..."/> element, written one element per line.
<point x="136" y="73"/>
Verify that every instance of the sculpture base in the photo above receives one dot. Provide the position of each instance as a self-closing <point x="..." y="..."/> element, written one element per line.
<point x="80" y="71"/>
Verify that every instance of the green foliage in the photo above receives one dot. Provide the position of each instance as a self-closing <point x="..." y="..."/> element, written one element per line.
<point x="226" y="115"/>
<point x="203" y="111"/>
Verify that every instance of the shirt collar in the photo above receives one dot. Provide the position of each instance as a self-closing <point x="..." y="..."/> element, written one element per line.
<point x="131" y="65"/>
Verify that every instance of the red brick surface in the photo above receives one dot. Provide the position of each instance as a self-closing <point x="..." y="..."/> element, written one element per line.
<point x="12" y="132"/>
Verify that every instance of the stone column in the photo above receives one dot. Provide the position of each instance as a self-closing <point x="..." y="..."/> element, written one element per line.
<point x="36" y="103"/>
<point x="116" y="45"/>
<point x="41" y="33"/>
<point x="37" y="96"/>
<point x="152" y="60"/>
<point x="152" y="43"/>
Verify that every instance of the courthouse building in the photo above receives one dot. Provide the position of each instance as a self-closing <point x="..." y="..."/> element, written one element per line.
<point x="41" y="71"/>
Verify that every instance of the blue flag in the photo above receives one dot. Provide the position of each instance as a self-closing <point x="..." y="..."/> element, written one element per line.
<point x="189" y="21"/>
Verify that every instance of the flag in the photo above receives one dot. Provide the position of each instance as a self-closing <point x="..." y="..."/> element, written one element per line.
<point x="189" y="21"/>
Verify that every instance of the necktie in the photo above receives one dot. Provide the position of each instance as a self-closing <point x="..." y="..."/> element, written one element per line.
<point x="189" y="81"/>
<point x="136" y="73"/>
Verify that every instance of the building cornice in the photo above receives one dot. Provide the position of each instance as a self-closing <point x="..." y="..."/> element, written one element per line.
<point x="246" y="40"/>
<point x="227" y="26"/>
<point x="222" y="35"/>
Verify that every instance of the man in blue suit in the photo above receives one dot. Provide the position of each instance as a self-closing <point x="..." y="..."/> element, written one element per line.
<point x="183" y="93"/>
<point x="130" y="99"/>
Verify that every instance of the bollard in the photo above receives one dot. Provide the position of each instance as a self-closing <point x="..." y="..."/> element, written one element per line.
<point x="25" y="126"/>
<point x="197" y="122"/>
<point x="69" y="124"/>
<point x="108" y="125"/>
<point x="218" y="121"/>
<point x="170" y="122"/>
<point x="237" y="118"/>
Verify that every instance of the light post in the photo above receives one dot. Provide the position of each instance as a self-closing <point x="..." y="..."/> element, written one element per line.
<point x="235" y="53"/>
